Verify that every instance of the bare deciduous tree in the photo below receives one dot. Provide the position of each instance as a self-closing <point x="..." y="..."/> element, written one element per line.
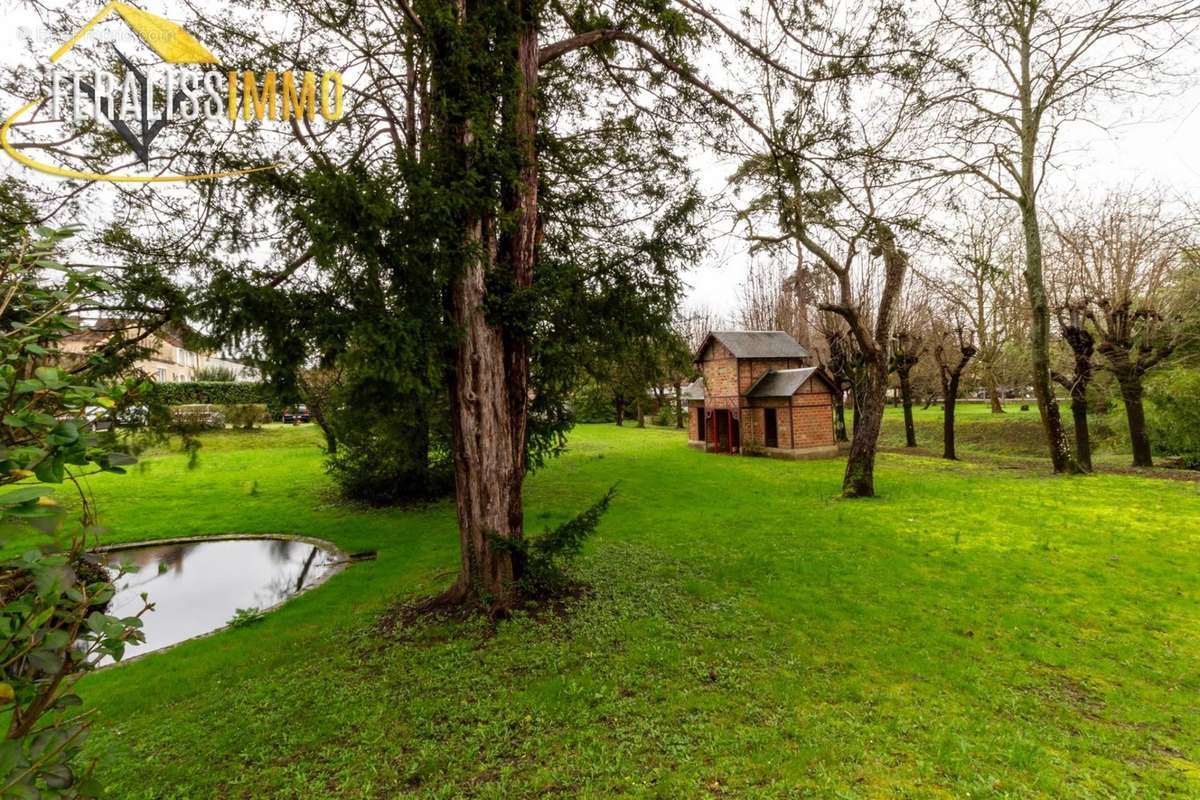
<point x="1121" y="253"/>
<point x="1031" y="67"/>
<point x="774" y="297"/>
<point x="952" y="350"/>
<point x="981" y="291"/>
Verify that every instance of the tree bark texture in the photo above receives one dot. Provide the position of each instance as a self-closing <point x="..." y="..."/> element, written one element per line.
<point x="1082" y="343"/>
<point x="489" y="385"/>
<point x="1135" y="415"/>
<point x="1039" y="339"/>
<point x="910" y="428"/>
<point x="875" y="347"/>
<point x="948" y="408"/>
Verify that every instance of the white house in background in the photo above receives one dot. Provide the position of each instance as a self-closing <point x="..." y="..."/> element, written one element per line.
<point x="240" y="371"/>
<point x="168" y="359"/>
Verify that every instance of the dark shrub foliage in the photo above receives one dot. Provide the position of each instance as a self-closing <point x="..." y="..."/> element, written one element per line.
<point x="388" y="463"/>
<point x="547" y="558"/>
<point x="1175" y="415"/>
<point x="592" y="402"/>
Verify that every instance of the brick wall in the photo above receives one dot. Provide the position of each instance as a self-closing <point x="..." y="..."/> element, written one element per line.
<point x="720" y="370"/>
<point x="752" y="426"/>
<point x="813" y="422"/>
<point x="784" y="421"/>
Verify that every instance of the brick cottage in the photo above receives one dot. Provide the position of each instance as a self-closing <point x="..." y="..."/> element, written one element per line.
<point x="757" y="394"/>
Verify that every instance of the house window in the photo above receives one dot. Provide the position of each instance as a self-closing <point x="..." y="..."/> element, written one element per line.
<point x="162" y="374"/>
<point x="771" y="427"/>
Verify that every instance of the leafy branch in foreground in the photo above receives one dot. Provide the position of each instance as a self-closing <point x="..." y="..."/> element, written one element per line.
<point x="53" y="597"/>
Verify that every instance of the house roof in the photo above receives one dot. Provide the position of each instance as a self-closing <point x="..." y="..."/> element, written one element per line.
<point x="782" y="382"/>
<point x="103" y="328"/>
<point x="756" y="344"/>
<point x="694" y="390"/>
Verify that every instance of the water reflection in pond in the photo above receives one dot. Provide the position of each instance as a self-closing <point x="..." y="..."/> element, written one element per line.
<point x="196" y="587"/>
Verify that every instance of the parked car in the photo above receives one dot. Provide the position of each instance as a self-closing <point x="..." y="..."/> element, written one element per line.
<point x="133" y="417"/>
<point x="296" y="414"/>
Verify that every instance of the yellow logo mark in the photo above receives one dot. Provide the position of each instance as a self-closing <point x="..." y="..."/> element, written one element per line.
<point x="187" y="95"/>
<point x="172" y="43"/>
<point x="62" y="172"/>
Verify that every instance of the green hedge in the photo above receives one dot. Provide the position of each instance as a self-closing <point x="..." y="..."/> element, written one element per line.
<point x="221" y="394"/>
<point x="1174" y="414"/>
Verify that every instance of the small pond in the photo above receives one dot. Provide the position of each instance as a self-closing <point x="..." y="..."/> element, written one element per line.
<point x="197" y="586"/>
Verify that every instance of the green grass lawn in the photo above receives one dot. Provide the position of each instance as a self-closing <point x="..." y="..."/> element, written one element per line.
<point x="1016" y="432"/>
<point x="976" y="631"/>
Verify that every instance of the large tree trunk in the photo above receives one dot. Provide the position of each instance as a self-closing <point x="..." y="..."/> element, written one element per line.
<point x="910" y="429"/>
<point x="1035" y="284"/>
<point x="619" y="402"/>
<point x="519" y="246"/>
<point x="950" y="401"/>
<point x="1039" y="336"/>
<point x="870" y="389"/>
<point x="869" y="399"/>
<point x="1083" y="439"/>
<point x="641" y="414"/>
<point x="1135" y="414"/>
<point x="485" y="469"/>
<point x="489" y="387"/>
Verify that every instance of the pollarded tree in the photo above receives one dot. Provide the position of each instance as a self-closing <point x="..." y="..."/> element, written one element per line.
<point x="1123" y="251"/>
<point x="1072" y="326"/>
<point x="952" y="350"/>
<point x="907" y="349"/>
<point x="908" y="346"/>
<point x="1026" y="69"/>
<point x="834" y="356"/>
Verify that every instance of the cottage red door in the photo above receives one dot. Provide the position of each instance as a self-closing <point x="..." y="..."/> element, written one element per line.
<point x="722" y="438"/>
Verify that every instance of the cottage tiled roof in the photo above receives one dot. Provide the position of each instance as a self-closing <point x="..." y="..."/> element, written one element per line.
<point x="694" y="390"/>
<point x="756" y="344"/>
<point x="780" y="383"/>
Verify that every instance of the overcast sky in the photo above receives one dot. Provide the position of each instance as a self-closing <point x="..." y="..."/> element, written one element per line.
<point x="1148" y="142"/>
<point x="1153" y="142"/>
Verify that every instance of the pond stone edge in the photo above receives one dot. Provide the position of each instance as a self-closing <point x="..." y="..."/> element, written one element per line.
<point x="341" y="556"/>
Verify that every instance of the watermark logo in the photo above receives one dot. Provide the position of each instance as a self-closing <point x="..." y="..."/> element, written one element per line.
<point x="140" y="103"/>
